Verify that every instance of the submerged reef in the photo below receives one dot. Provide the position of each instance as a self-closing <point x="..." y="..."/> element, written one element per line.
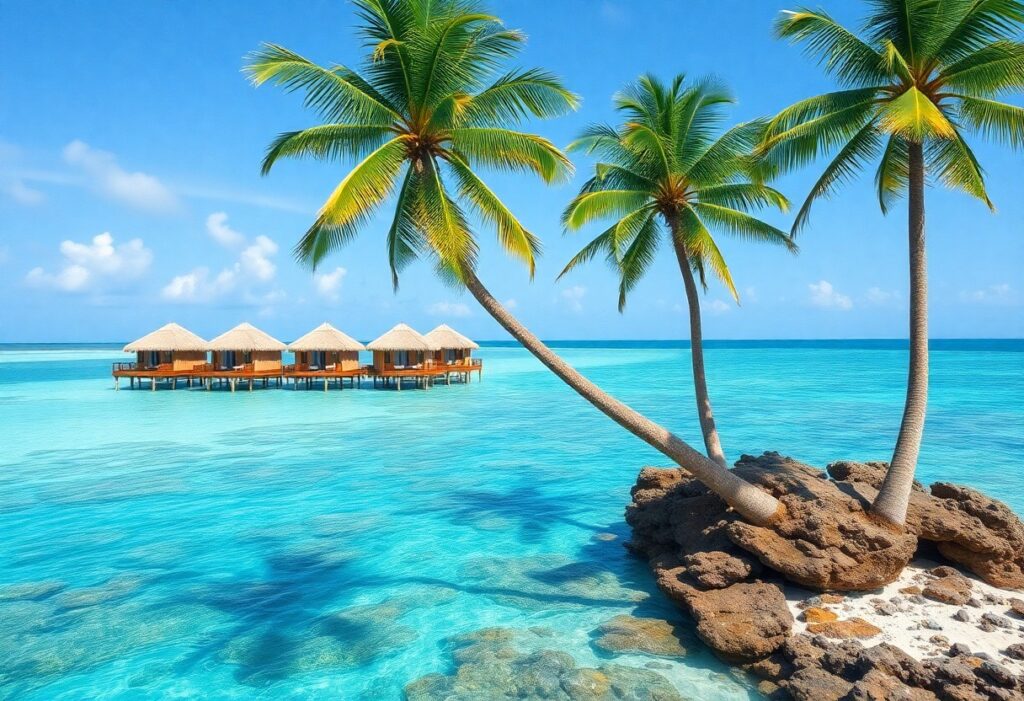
<point x="489" y="665"/>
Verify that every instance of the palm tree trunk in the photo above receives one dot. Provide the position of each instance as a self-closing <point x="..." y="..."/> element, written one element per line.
<point x="891" y="502"/>
<point x="700" y="385"/>
<point x="753" y="504"/>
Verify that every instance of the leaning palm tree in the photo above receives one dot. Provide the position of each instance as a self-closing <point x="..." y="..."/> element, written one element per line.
<point x="667" y="173"/>
<point x="425" y="113"/>
<point x="925" y="72"/>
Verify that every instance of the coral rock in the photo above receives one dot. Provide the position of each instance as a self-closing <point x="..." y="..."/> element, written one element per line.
<point x="846" y="629"/>
<point x="819" y="615"/>
<point x="951" y="589"/>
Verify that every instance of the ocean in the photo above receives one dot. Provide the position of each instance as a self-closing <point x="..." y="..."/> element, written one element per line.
<point x="307" y="545"/>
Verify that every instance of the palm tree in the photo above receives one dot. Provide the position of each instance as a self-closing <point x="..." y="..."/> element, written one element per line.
<point x="925" y="72"/>
<point x="665" y="174"/>
<point x="427" y="110"/>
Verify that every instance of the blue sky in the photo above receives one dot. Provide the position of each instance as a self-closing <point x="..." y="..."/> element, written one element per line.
<point x="130" y="192"/>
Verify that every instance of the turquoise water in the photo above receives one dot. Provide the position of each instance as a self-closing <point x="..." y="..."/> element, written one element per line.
<point x="303" y="545"/>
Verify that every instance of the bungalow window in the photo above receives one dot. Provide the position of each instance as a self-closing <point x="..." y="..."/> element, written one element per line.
<point x="402" y="358"/>
<point x="449" y="355"/>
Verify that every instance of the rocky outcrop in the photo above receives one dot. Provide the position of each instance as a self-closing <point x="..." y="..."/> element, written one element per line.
<point x="813" y="668"/>
<point x="975" y="531"/>
<point x="827" y="540"/>
<point x="727" y="574"/>
<point x="680" y="526"/>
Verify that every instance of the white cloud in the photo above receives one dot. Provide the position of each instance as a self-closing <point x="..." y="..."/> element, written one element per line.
<point x="1000" y="294"/>
<point x="217" y="226"/>
<point x="880" y="297"/>
<point x="328" y="285"/>
<point x="448" y="309"/>
<point x="717" y="306"/>
<point x="22" y="193"/>
<point x="573" y="297"/>
<point x="247" y="277"/>
<point x="510" y="303"/>
<point x="824" y="295"/>
<point x="90" y="266"/>
<point x="255" y="259"/>
<point x="110" y="179"/>
<point x="750" y="295"/>
<point x="198" y="286"/>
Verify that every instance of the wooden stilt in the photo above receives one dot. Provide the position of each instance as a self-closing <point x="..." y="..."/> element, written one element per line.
<point x="117" y="384"/>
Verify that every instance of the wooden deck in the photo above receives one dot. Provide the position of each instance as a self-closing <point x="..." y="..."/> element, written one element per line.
<point x="246" y="376"/>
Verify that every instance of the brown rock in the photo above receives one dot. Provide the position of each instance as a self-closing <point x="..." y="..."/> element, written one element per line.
<point x="953" y="589"/>
<point x="845" y="629"/>
<point x="832" y="598"/>
<point x="815" y="684"/>
<point x="653" y="636"/>
<point x="877" y="686"/>
<point x="969" y="528"/>
<point x="1017" y="606"/>
<point x="718" y="569"/>
<point x="826" y="540"/>
<point x="742" y="622"/>
<point x="819" y="615"/>
<point x="910" y="591"/>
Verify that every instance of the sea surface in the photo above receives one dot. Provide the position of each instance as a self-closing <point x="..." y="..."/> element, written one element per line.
<point x="308" y="545"/>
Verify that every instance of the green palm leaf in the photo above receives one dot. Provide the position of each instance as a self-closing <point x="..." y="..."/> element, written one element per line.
<point x="326" y="142"/>
<point x="842" y="53"/>
<point x="337" y="94"/>
<point x="505" y="149"/>
<point x="742" y="224"/>
<point x="893" y="172"/>
<point x="997" y="120"/>
<point x="512" y="235"/>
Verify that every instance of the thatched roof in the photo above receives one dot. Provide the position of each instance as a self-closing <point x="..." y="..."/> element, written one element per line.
<point x="401" y="337"/>
<point x="245" y="337"/>
<point x="444" y="336"/>
<point x="326" y="338"/>
<point x="171" y="337"/>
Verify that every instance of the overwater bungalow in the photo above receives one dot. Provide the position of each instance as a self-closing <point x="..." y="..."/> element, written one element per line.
<point x="402" y="353"/>
<point x="170" y="352"/>
<point x="325" y="353"/>
<point x="244" y="353"/>
<point x="454" y="354"/>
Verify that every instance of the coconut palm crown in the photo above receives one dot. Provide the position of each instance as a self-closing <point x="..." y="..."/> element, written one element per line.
<point x="925" y="73"/>
<point x="671" y="171"/>
<point x="427" y="109"/>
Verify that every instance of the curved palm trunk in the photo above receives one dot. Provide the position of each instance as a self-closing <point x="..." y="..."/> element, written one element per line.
<point x="755" y="505"/>
<point x="891" y="502"/>
<point x="700" y="386"/>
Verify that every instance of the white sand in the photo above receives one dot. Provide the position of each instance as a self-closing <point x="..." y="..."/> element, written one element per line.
<point x="904" y="629"/>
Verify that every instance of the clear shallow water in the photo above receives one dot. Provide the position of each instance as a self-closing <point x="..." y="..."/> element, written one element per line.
<point x="287" y="544"/>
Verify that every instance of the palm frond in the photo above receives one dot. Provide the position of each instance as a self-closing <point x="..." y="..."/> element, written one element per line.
<point x="404" y="239"/>
<point x="389" y="27"/>
<point x="957" y="167"/>
<point x="510" y="150"/>
<point x="444" y="225"/>
<point x="994" y="119"/>
<point x="589" y="206"/>
<point x="638" y="257"/>
<point x="808" y="139"/>
<point x="512" y="235"/>
<point x="864" y="146"/>
<point x="352" y="202"/>
<point x="326" y="142"/>
<point x="518" y="95"/>
<point x="841" y="52"/>
<point x="976" y="24"/>
<point x="998" y="66"/>
<point x="702" y="250"/>
<point x="337" y="94"/>
<point x="742" y="224"/>
<point x="744" y="195"/>
<point x="893" y="172"/>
